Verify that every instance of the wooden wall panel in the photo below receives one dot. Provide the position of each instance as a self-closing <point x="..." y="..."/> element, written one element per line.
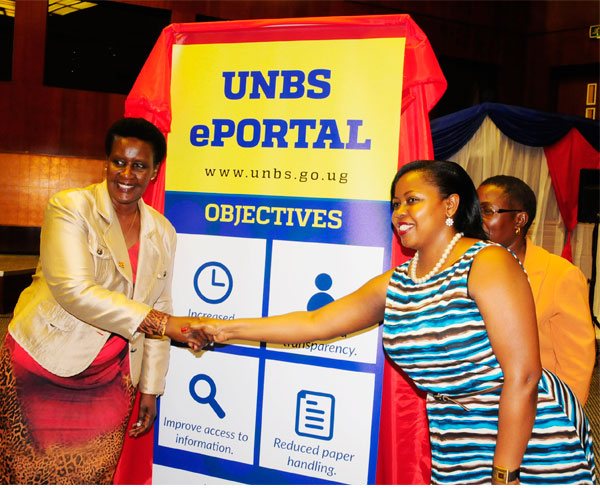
<point x="561" y="15"/>
<point x="29" y="42"/>
<point x="42" y="119"/>
<point x="29" y="180"/>
<point x="524" y="39"/>
<point x="58" y="121"/>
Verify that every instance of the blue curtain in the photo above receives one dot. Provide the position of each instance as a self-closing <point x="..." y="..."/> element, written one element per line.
<point x="526" y="126"/>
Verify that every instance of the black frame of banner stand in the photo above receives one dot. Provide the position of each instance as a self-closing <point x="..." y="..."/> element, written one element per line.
<point x="593" y="277"/>
<point x="588" y="211"/>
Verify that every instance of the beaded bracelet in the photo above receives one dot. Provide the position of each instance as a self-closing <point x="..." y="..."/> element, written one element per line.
<point x="155" y="323"/>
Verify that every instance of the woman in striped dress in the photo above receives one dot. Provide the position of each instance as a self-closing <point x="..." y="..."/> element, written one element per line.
<point x="459" y="318"/>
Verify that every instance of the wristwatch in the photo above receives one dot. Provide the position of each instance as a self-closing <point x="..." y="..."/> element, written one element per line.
<point x="503" y="476"/>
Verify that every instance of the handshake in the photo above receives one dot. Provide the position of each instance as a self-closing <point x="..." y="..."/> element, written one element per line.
<point x="196" y="332"/>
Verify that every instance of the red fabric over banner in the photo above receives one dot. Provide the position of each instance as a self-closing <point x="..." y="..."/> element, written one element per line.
<point x="404" y="454"/>
<point x="565" y="159"/>
<point x="404" y="451"/>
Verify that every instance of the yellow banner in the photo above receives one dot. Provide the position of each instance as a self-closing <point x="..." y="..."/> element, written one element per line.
<point x="267" y="118"/>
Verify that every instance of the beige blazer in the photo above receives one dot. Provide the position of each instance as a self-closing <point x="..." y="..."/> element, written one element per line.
<point x="83" y="290"/>
<point x="566" y="332"/>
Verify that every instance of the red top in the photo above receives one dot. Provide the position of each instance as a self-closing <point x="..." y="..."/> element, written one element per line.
<point x="134" y="253"/>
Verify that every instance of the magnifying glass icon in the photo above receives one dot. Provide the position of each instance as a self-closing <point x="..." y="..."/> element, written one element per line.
<point x="208" y="399"/>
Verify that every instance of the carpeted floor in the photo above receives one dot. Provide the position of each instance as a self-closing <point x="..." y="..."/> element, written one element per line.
<point x="592" y="406"/>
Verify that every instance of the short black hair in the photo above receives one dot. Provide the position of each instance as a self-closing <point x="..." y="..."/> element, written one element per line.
<point x="140" y="129"/>
<point x="518" y="192"/>
<point x="450" y="177"/>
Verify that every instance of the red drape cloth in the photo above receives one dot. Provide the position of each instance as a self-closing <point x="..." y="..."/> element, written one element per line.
<point x="404" y="452"/>
<point x="565" y="159"/>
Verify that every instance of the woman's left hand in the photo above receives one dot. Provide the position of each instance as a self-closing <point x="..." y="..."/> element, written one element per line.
<point x="146" y="415"/>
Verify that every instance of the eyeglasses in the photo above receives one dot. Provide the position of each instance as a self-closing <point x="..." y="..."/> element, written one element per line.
<point x="491" y="211"/>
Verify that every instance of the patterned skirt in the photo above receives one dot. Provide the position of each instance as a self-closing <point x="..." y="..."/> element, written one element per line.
<point x="56" y="430"/>
<point x="463" y="442"/>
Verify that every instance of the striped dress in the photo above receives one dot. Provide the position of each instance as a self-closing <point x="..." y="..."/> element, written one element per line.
<point x="435" y="333"/>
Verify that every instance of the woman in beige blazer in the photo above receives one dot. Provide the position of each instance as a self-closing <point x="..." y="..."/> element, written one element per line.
<point x="93" y="325"/>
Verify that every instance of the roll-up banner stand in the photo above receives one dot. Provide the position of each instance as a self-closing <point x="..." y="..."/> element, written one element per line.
<point x="283" y="141"/>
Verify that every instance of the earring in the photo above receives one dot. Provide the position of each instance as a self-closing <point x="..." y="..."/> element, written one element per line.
<point x="517" y="230"/>
<point x="449" y="221"/>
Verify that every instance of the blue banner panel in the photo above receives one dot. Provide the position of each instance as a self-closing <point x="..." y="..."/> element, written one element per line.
<point x="358" y="222"/>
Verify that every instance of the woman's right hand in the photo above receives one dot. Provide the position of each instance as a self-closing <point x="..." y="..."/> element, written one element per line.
<point x="178" y="329"/>
<point x="215" y="330"/>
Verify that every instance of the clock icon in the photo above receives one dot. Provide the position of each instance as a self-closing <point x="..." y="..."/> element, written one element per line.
<point x="213" y="282"/>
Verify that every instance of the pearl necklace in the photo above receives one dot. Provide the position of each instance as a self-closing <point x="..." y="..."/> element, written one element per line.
<point x="439" y="264"/>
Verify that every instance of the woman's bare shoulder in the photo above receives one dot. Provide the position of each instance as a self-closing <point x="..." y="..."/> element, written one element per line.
<point x="495" y="264"/>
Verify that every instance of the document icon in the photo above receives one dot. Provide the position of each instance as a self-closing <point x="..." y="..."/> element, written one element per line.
<point x="314" y="414"/>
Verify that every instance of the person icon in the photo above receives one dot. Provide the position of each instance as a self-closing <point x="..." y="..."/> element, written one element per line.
<point x="323" y="282"/>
